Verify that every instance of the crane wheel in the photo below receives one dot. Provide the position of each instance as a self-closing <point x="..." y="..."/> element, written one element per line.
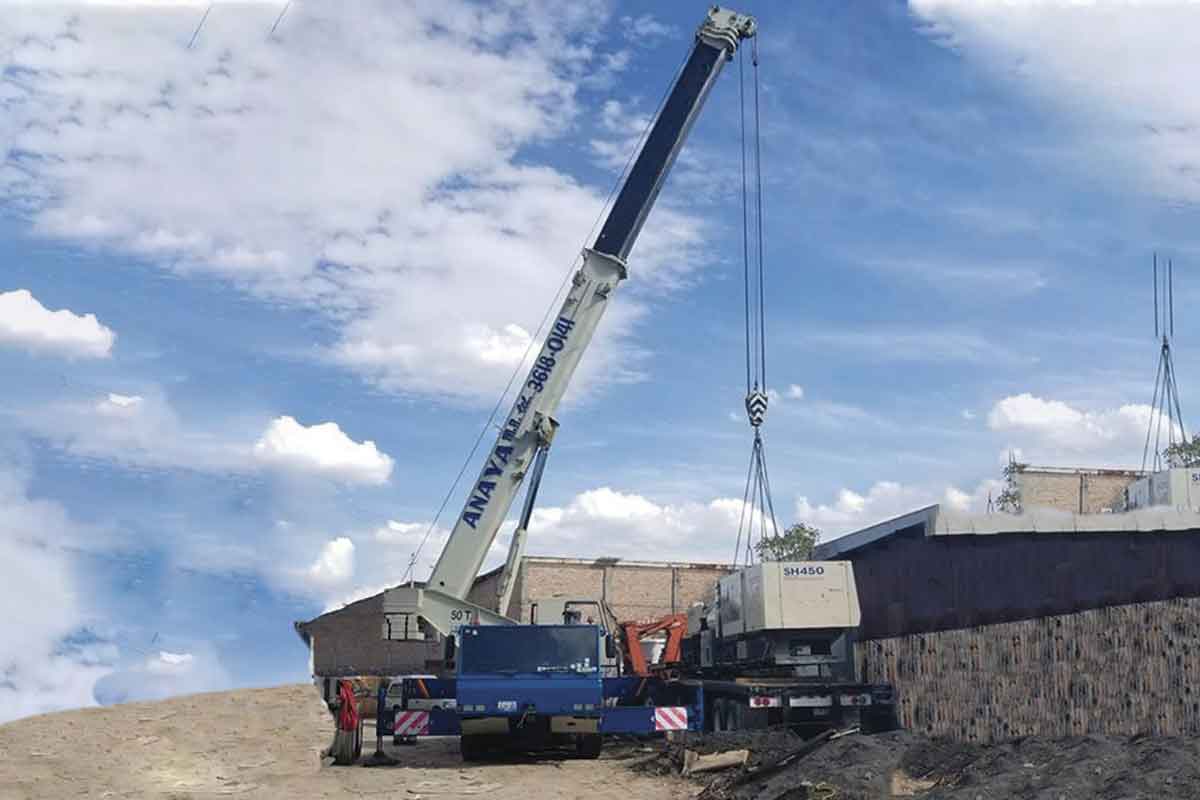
<point x="588" y="745"/>
<point x="347" y="746"/>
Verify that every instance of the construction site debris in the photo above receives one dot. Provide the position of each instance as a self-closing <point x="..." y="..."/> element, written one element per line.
<point x="693" y="762"/>
<point x="902" y="764"/>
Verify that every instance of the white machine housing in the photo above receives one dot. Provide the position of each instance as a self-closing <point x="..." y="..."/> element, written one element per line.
<point x="1178" y="488"/>
<point x="793" y="615"/>
<point x="777" y="595"/>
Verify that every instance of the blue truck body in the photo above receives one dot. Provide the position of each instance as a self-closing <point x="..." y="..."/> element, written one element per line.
<point x="534" y="685"/>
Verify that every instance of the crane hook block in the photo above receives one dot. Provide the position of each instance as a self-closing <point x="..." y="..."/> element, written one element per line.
<point x="756" y="407"/>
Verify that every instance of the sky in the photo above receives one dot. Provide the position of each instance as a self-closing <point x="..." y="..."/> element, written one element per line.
<point x="263" y="280"/>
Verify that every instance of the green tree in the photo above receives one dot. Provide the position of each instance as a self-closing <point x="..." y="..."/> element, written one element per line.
<point x="1010" y="497"/>
<point x="794" y="544"/>
<point x="1184" y="454"/>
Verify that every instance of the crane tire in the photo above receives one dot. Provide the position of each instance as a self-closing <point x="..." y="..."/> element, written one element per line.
<point x="588" y="745"/>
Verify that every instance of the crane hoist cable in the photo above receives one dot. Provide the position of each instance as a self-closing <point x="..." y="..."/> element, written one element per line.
<point x="758" y="508"/>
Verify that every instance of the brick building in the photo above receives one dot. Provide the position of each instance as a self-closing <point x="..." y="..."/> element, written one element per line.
<point x="349" y="640"/>
<point x="1080" y="491"/>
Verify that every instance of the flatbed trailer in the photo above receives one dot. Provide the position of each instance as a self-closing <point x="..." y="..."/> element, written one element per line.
<point x="645" y="706"/>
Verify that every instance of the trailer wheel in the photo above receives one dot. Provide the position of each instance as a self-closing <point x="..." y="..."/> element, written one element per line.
<point x="721" y="716"/>
<point x="471" y="747"/>
<point x="737" y="715"/>
<point x="879" y="721"/>
<point x="588" y="745"/>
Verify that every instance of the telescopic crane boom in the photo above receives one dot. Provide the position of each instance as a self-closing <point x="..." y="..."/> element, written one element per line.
<point x="529" y="428"/>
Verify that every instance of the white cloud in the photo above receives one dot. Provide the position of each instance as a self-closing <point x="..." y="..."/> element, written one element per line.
<point x="335" y="565"/>
<point x="294" y="167"/>
<point x="323" y="449"/>
<point x="795" y="392"/>
<point x="136" y="431"/>
<point x="25" y="322"/>
<point x="601" y="522"/>
<point x="957" y="499"/>
<point x="39" y="671"/>
<point x="121" y="404"/>
<point x="1050" y="430"/>
<point x="972" y="276"/>
<point x="394" y="531"/>
<point x="884" y="500"/>
<point x="921" y="346"/>
<point x="144" y="431"/>
<point x="645" y="27"/>
<point x="967" y="414"/>
<point x="1122" y="72"/>
<point x="609" y="522"/>
<point x="165" y="674"/>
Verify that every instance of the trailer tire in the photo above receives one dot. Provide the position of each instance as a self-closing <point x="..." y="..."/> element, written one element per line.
<point x="722" y="715"/>
<point x="588" y="745"/>
<point x="470" y="747"/>
<point x="879" y="720"/>
<point x="737" y="715"/>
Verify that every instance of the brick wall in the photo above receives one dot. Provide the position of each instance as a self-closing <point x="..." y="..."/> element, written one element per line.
<point x="634" y="591"/>
<point x="1100" y="490"/>
<point x="349" y="641"/>
<point x="1117" y="670"/>
<point x="483" y="593"/>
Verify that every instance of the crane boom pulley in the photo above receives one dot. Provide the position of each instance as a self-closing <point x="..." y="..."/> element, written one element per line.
<point x="529" y="428"/>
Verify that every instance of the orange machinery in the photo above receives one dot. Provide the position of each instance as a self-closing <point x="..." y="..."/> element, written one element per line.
<point x="673" y="625"/>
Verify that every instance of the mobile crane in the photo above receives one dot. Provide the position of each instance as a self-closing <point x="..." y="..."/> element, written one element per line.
<point x="569" y="654"/>
<point x="545" y="683"/>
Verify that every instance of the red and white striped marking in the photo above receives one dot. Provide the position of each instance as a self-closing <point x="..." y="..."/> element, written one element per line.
<point x="670" y="718"/>
<point x="410" y="723"/>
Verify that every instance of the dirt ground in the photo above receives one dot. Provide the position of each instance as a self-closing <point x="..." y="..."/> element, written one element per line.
<point x="902" y="764"/>
<point x="266" y="743"/>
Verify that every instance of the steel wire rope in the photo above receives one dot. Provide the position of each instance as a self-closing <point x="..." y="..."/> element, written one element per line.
<point x="757" y="500"/>
<point x="1153" y="410"/>
<point x="762" y="308"/>
<point x="545" y="317"/>
<point x="745" y="212"/>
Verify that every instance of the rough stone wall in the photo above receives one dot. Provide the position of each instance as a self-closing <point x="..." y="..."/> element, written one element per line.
<point x="1062" y="491"/>
<point x="1117" y="670"/>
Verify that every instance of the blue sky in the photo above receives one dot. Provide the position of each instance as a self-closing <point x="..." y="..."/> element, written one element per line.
<point x="257" y="297"/>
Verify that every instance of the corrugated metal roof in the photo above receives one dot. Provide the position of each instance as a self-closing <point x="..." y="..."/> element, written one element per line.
<point x="835" y="548"/>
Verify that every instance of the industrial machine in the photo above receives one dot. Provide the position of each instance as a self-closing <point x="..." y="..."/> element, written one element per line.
<point x="774" y="645"/>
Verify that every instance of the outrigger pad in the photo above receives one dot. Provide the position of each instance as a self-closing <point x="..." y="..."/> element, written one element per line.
<point x="380" y="759"/>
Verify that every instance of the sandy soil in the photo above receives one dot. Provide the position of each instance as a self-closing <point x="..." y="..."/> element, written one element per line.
<point x="266" y="743"/>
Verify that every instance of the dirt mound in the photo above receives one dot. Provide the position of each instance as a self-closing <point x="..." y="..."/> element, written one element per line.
<point x="265" y="744"/>
<point x="901" y="764"/>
